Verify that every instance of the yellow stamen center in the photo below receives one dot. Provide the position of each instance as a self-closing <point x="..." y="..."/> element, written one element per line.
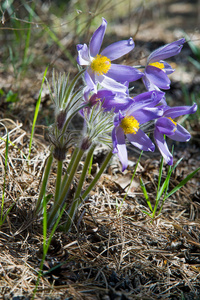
<point x="130" y="125"/>
<point x="100" y="64"/>
<point x="158" y="65"/>
<point x="173" y="123"/>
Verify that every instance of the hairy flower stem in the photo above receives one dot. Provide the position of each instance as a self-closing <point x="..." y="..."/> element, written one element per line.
<point x="84" y="171"/>
<point x="98" y="175"/>
<point x="69" y="169"/>
<point x="77" y="199"/>
<point x="44" y="183"/>
<point x="58" y="180"/>
<point x="63" y="195"/>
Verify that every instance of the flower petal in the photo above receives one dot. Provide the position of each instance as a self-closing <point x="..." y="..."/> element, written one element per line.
<point x="181" y="134"/>
<point x="114" y="140"/>
<point x="90" y="80"/>
<point x="121" y="148"/>
<point x="118" y="117"/>
<point x="116" y="103"/>
<point x="158" y="77"/>
<point x="124" y="73"/>
<point x="111" y="84"/>
<point x="162" y="146"/>
<point x="166" y="51"/>
<point x="118" y="49"/>
<point x="141" y="141"/>
<point x="167" y="69"/>
<point x="97" y="38"/>
<point x="177" y="111"/>
<point x="148" y="84"/>
<point x="83" y="58"/>
<point x="150" y="98"/>
<point x="101" y="95"/>
<point x="147" y="114"/>
<point x="166" y="126"/>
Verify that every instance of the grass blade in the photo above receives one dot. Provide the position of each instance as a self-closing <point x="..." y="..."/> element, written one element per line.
<point x="145" y="194"/>
<point x="182" y="183"/>
<point x="36" y="114"/>
<point x="4" y="181"/>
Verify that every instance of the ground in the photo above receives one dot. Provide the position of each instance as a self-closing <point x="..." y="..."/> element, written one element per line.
<point x="114" y="250"/>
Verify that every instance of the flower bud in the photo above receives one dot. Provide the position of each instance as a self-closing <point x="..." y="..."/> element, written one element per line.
<point x="60" y="119"/>
<point x="59" y="153"/>
<point x="86" y="143"/>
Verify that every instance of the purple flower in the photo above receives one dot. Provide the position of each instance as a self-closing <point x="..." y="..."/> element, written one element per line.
<point x="100" y="69"/>
<point x="128" y="123"/>
<point x="156" y="71"/>
<point x="109" y="100"/>
<point x="167" y="126"/>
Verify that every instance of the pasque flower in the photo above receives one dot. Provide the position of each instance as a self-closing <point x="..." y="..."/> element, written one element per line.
<point x="155" y="74"/>
<point x="128" y="123"/>
<point x="100" y="69"/>
<point x="108" y="99"/>
<point x="166" y="125"/>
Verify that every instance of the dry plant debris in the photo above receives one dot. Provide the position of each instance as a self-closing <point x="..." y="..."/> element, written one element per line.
<point x="110" y="253"/>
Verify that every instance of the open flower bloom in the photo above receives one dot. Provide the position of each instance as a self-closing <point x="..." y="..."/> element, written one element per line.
<point x="128" y="123"/>
<point x="167" y="126"/>
<point x="109" y="100"/>
<point x="100" y="69"/>
<point x="155" y="74"/>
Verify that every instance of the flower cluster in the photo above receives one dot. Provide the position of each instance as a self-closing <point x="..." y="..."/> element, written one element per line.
<point x="110" y="116"/>
<point x="107" y="83"/>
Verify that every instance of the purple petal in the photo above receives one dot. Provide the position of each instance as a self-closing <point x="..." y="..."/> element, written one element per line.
<point x="147" y="114"/>
<point x="168" y="69"/>
<point x="104" y="94"/>
<point x="101" y="95"/>
<point x="118" y="118"/>
<point x="181" y="134"/>
<point x="111" y="84"/>
<point x="166" y="126"/>
<point x="177" y="111"/>
<point x="166" y="51"/>
<point x="114" y="140"/>
<point x="121" y="147"/>
<point x="148" y="84"/>
<point x="162" y="146"/>
<point x="118" y="49"/>
<point x="90" y="80"/>
<point x="97" y="39"/>
<point x="151" y="98"/>
<point x="136" y="107"/>
<point x="86" y="93"/>
<point x="83" y="58"/>
<point x="158" y="77"/>
<point x="117" y="103"/>
<point x="141" y="141"/>
<point x="124" y="73"/>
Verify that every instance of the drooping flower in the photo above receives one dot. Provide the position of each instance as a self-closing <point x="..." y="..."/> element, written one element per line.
<point x="128" y="124"/>
<point x="109" y="100"/>
<point x="155" y="74"/>
<point x="99" y="66"/>
<point x="165" y="125"/>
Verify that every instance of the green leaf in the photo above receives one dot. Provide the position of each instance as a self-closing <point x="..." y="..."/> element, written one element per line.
<point x="1" y="92"/>
<point x="182" y="183"/>
<point x="145" y="193"/>
<point x="36" y="113"/>
<point x="147" y="213"/>
<point x="194" y="62"/>
<point x="12" y="97"/>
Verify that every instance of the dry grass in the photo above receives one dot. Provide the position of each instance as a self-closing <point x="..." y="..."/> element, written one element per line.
<point x="118" y="254"/>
